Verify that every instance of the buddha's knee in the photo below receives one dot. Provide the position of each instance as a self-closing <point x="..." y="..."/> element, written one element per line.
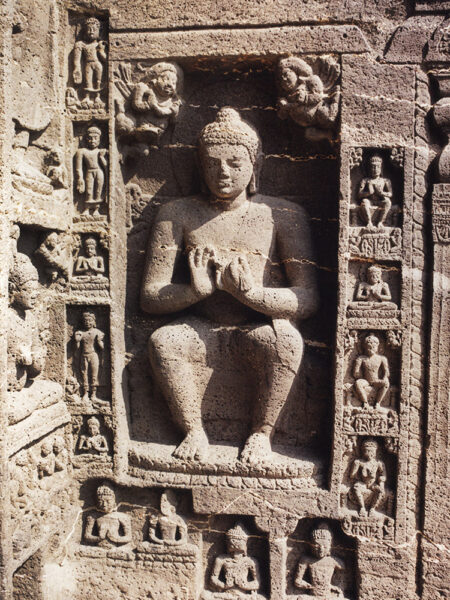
<point x="282" y="344"/>
<point x="175" y="342"/>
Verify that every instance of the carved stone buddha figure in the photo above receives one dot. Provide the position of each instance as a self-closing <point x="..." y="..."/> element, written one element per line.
<point x="315" y="573"/>
<point x="26" y="350"/>
<point x="112" y="528"/>
<point x="168" y="528"/>
<point x="252" y="278"/>
<point x="235" y="574"/>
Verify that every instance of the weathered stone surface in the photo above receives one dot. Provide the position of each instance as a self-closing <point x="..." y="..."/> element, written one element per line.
<point x="224" y="295"/>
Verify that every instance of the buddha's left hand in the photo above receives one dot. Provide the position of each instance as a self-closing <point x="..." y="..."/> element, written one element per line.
<point x="237" y="278"/>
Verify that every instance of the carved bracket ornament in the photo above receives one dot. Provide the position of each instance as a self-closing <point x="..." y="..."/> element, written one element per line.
<point x="441" y="213"/>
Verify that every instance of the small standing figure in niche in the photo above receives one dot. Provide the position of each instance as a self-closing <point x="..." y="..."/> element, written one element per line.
<point x="113" y="528"/>
<point x="368" y="478"/>
<point x="374" y="291"/>
<point x="155" y="103"/>
<point x="371" y="371"/>
<point x="61" y="454"/>
<point x="90" y="166"/>
<point x="235" y="574"/>
<point x="94" y="442"/>
<point x="90" y="343"/>
<point x="375" y="193"/>
<point x="320" y="568"/>
<point x="312" y="101"/>
<point x="91" y="264"/>
<point x="46" y="464"/>
<point x="56" y="171"/>
<point x="168" y="528"/>
<point x="53" y="252"/>
<point x="88" y="58"/>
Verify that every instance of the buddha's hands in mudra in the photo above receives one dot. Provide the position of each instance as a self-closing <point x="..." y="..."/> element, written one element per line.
<point x="201" y="263"/>
<point x="235" y="278"/>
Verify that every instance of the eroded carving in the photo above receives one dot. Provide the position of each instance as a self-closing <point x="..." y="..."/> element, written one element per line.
<point x="90" y="169"/>
<point x="26" y="347"/>
<point x="89" y="343"/>
<point x="54" y="253"/>
<point x="315" y="573"/>
<point x="373" y="302"/>
<point x="110" y="528"/>
<point x="93" y="442"/>
<point x="366" y="500"/>
<point x="168" y="528"/>
<point x="89" y="59"/>
<point x="230" y="289"/>
<point x="310" y="96"/>
<point x="56" y="170"/>
<point x="371" y="373"/>
<point x="146" y="108"/>
<point x="89" y="266"/>
<point x="234" y="575"/>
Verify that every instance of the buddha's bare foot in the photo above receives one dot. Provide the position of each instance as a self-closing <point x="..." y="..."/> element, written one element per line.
<point x="193" y="447"/>
<point x="257" y="449"/>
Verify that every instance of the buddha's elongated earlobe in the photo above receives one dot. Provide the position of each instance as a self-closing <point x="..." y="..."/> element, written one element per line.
<point x="252" y="186"/>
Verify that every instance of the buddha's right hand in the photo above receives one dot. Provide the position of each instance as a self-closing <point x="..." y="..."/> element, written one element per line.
<point x="201" y="261"/>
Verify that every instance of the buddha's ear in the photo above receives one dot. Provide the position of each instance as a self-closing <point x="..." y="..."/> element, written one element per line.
<point x="252" y="187"/>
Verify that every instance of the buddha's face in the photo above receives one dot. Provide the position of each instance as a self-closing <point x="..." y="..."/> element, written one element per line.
<point x="369" y="451"/>
<point x="374" y="276"/>
<point x="106" y="501"/>
<point x="27" y="294"/>
<point x="227" y="169"/>
<point x="93" y="429"/>
<point x="88" y="321"/>
<point x="92" y="139"/>
<point x="375" y="168"/>
<point x="90" y="249"/>
<point x="321" y="547"/>
<point x="92" y="31"/>
<point x="288" y="80"/>
<point x="236" y="545"/>
<point x="166" y="84"/>
<point x="371" y="345"/>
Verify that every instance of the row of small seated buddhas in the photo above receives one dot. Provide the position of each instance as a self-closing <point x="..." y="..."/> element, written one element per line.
<point x="234" y="574"/>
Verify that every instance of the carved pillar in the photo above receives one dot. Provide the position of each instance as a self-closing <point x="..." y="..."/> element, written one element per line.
<point x="6" y="13"/>
<point x="278" y="529"/>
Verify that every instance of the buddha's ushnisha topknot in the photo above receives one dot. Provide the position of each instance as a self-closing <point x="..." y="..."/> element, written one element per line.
<point x="229" y="128"/>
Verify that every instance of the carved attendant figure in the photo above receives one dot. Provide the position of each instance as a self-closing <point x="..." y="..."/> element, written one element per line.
<point x="304" y="96"/>
<point x="89" y="343"/>
<point x="375" y="193"/>
<point x="368" y="477"/>
<point x="61" y="454"/>
<point x="375" y="290"/>
<point x="46" y="464"/>
<point x="88" y="58"/>
<point x="90" y="164"/>
<point x="94" y="442"/>
<point x="26" y="354"/>
<point x="113" y="528"/>
<point x="56" y="171"/>
<point x="371" y="371"/>
<point x="53" y="252"/>
<point x="169" y="528"/>
<point x="154" y="104"/>
<point x="320" y="568"/>
<point x="229" y="236"/>
<point x="235" y="574"/>
<point x="91" y="264"/>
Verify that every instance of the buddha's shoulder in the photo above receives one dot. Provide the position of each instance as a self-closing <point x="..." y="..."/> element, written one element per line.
<point x="181" y="206"/>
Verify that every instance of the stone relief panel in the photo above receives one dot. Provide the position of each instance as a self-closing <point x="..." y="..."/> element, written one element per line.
<point x="371" y="385"/>
<point x="374" y="291"/>
<point x="92" y="441"/>
<point x="376" y="206"/>
<point x="90" y="265"/>
<point x="320" y="562"/>
<point x="367" y="496"/>
<point x="147" y="102"/>
<point x="88" y="356"/>
<point x="201" y="266"/>
<point x="90" y="173"/>
<point x="86" y="93"/>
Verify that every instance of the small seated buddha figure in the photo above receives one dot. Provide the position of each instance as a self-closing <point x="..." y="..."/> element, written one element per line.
<point x="111" y="529"/>
<point x="368" y="478"/>
<point x="235" y="575"/>
<point x="373" y="293"/>
<point x="26" y="350"/>
<point x="168" y="528"/>
<point x="319" y="568"/>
